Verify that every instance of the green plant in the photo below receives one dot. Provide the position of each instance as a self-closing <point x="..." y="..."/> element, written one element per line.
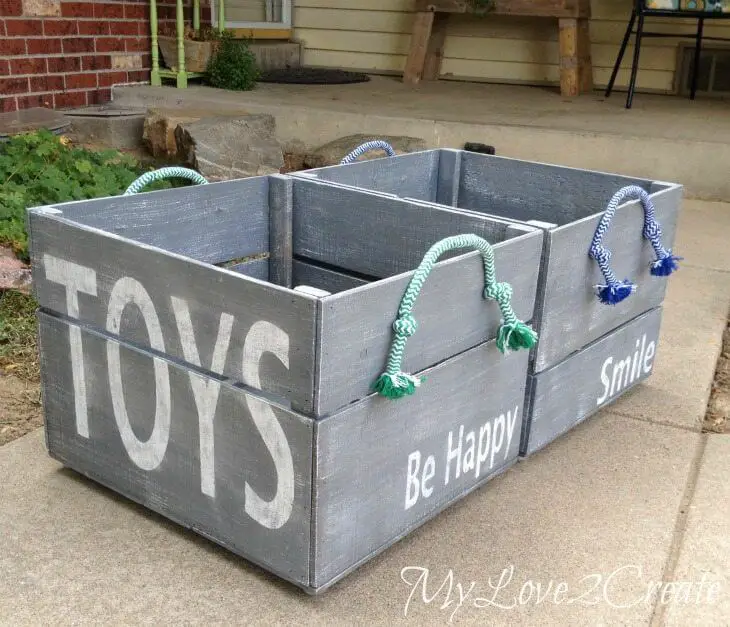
<point x="233" y="65"/>
<point x="41" y="169"/>
<point x="482" y="6"/>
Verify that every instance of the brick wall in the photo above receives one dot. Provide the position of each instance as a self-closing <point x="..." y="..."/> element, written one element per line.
<point x="63" y="53"/>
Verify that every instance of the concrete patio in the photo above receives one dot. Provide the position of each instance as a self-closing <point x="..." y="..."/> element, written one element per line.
<point x="662" y="137"/>
<point x="621" y="509"/>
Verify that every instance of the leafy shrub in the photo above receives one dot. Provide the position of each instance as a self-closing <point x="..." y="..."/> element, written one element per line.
<point x="233" y="65"/>
<point x="41" y="169"/>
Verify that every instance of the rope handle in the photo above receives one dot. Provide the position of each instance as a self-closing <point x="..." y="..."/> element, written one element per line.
<point x="378" y="144"/>
<point x="513" y="333"/>
<point x="164" y="173"/>
<point x="614" y="291"/>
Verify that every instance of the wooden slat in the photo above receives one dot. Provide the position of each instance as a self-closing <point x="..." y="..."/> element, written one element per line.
<point x="209" y="223"/>
<point x="239" y="457"/>
<point x="419" y="44"/>
<point x="569" y="71"/>
<point x="209" y="293"/>
<point x="588" y="381"/>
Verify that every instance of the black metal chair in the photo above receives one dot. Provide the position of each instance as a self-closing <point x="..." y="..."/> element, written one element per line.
<point x="700" y="9"/>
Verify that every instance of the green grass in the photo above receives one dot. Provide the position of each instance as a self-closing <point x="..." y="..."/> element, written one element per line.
<point x="18" y="328"/>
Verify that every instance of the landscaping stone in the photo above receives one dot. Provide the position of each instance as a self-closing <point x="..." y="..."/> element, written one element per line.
<point x="332" y="152"/>
<point x="105" y="124"/>
<point x="226" y="148"/>
<point x="14" y="274"/>
<point x="32" y="119"/>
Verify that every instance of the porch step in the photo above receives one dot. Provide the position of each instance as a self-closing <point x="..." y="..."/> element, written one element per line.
<point x="276" y="55"/>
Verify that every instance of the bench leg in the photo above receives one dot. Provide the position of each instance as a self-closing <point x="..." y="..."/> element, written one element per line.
<point x="420" y="38"/>
<point x="585" y="62"/>
<point x="569" y="74"/>
<point x="435" y="49"/>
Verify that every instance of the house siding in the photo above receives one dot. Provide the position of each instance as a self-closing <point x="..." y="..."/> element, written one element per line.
<point x="374" y="35"/>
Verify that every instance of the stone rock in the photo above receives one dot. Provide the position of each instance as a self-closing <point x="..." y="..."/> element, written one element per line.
<point x="14" y="274"/>
<point x="108" y="125"/>
<point x="158" y="134"/>
<point x="333" y="152"/>
<point x="222" y="148"/>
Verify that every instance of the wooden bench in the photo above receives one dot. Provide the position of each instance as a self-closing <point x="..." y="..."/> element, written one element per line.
<point x="573" y="16"/>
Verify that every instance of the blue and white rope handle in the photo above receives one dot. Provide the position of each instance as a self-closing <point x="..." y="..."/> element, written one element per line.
<point x="164" y="173"/>
<point x="614" y="291"/>
<point x="367" y="147"/>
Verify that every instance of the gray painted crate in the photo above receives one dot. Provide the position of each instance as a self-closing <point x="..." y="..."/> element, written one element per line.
<point x="566" y="202"/>
<point x="241" y="408"/>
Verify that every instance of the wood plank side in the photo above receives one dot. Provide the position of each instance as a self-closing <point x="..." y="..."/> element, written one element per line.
<point x="375" y="234"/>
<point x="197" y="306"/>
<point x="585" y="57"/>
<point x="451" y="312"/>
<point x="435" y="49"/>
<point x="280" y="230"/>
<point x="525" y="8"/>
<point x="208" y="483"/>
<point x="414" y="175"/>
<point x="420" y="41"/>
<point x="566" y="394"/>
<point x="569" y="70"/>
<point x="363" y="500"/>
<point x="211" y="223"/>
<point x="572" y="316"/>
<point x="327" y="279"/>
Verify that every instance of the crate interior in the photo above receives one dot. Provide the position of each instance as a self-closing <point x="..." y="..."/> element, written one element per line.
<point x="286" y="231"/>
<point x="507" y="188"/>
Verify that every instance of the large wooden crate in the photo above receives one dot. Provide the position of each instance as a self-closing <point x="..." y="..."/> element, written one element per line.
<point x="240" y="407"/>
<point x="567" y="204"/>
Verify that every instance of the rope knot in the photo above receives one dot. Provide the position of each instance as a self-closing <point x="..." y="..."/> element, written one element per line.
<point x="406" y="325"/>
<point x="501" y="292"/>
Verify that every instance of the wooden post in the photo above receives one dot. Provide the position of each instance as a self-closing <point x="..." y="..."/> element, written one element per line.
<point x="422" y="27"/>
<point x="155" y="78"/>
<point x="569" y="81"/>
<point x="585" y="62"/>
<point x="435" y="47"/>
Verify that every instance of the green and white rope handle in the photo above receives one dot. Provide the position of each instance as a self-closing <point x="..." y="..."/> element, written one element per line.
<point x="513" y="333"/>
<point x="164" y="173"/>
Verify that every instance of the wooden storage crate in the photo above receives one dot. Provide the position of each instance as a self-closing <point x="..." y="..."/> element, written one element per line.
<point x="568" y="205"/>
<point x="242" y="408"/>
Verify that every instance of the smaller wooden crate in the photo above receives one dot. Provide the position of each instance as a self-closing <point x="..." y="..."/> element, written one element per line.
<point x="242" y="408"/>
<point x="567" y="203"/>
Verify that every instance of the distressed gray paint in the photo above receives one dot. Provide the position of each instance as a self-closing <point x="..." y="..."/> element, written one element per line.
<point x="571" y="315"/>
<point x="568" y="314"/>
<point x="374" y="234"/>
<point x="256" y="268"/>
<point x="363" y="452"/>
<point x="208" y="291"/>
<point x="280" y="231"/>
<point x="452" y="314"/>
<point x="569" y="392"/>
<point x="211" y="223"/>
<point x="173" y="488"/>
<point x="327" y="279"/>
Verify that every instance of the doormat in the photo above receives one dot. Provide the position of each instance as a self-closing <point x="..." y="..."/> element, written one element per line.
<point x="312" y="76"/>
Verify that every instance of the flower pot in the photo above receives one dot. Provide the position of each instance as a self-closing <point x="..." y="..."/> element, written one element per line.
<point x="197" y="53"/>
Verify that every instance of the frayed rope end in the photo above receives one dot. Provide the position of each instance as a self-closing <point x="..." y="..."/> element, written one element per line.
<point x="614" y="294"/>
<point x="395" y="386"/>
<point x="665" y="266"/>
<point x="515" y="336"/>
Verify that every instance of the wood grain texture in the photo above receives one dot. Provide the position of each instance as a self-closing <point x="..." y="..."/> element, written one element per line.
<point x="375" y="234"/>
<point x="208" y="292"/>
<point x="280" y="230"/>
<point x="569" y="67"/>
<point x="525" y="8"/>
<point x="211" y="223"/>
<point x="572" y="316"/>
<point x="363" y="455"/>
<point x="242" y="462"/>
<point x="327" y="279"/>
<point x="420" y="42"/>
<point x="576" y="388"/>
<point x="452" y="314"/>
<point x="257" y="268"/>
<point x="416" y="175"/>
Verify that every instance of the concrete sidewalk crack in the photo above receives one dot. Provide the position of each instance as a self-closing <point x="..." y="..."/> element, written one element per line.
<point x="661" y="423"/>
<point x="680" y="528"/>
